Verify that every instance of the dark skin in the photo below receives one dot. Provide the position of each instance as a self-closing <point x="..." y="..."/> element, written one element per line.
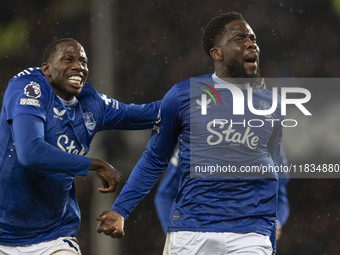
<point x="111" y="223"/>
<point x="67" y="72"/>
<point x="235" y="55"/>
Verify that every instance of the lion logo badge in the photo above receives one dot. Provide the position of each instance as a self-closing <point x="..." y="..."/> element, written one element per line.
<point x="32" y="90"/>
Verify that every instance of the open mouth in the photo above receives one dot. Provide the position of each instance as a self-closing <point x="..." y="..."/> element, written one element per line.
<point x="250" y="62"/>
<point x="75" y="80"/>
<point x="251" y="59"/>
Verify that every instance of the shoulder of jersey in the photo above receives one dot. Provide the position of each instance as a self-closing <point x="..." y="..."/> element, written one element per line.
<point x="204" y="76"/>
<point x="32" y="74"/>
<point x="29" y="72"/>
<point x="32" y="80"/>
<point x="185" y="84"/>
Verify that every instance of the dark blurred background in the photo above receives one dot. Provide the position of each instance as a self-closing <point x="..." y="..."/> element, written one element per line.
<point x="138" y="49"/>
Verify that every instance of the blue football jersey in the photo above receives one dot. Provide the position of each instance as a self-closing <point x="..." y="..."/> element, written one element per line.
<point x="211" y="204"/>
<point x="40" y="204"/>
<point x="167" y="191"/>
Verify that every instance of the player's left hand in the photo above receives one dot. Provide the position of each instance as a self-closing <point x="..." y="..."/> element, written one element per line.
<point x="111" y="223"/>
<point x="107" y="174"/>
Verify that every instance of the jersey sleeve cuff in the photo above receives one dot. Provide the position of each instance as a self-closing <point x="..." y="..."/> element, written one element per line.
<point x="121" y="211"/>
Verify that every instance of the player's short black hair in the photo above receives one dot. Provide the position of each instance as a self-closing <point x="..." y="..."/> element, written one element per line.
<point x="52" y="48"/>
<point x="215" y="27"/>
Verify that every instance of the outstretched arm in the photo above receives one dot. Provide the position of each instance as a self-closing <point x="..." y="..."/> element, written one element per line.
<point x="117" y="115"/>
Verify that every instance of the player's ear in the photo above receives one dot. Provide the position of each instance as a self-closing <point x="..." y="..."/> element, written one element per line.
<point x="45" y="68"/>
<point x="216" y="53"/>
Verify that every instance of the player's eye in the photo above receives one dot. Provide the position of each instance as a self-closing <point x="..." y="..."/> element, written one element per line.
<point x="239" y="39"/>
<point x="84" y="61"/>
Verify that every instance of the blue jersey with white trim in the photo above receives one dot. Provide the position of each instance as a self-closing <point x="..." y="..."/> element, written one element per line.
<point x="39" y="203"/>
<point x="210" y="204"/>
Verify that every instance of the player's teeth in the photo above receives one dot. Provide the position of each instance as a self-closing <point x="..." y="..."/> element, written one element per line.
<point x="78" y="78"/>
<point x="74" y="82"/>
<point x="75" y="79"/>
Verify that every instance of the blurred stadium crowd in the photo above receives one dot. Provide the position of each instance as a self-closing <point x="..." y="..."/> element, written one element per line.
<point x="158" y="43"/>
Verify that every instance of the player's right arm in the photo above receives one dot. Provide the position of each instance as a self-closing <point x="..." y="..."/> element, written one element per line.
<point x="25" y="104"/>
<point x="148" y="169"/>
<point x="25" y="107"/>
<point x="34" y="152"/>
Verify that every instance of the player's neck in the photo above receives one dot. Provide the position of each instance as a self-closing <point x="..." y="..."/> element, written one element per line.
<point x="219" y="80"/>
<point x="71" y="102"/>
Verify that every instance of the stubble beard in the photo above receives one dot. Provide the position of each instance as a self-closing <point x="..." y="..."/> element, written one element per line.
<point x="238" y="72"/>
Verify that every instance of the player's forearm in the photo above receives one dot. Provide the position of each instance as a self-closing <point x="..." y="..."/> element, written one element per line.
<point x="154" y="160"/>
<point x="32" y="150"/>
<point x="142" y="179"/>
<point x="139" y="116"/>
<point x="143" y="111"/>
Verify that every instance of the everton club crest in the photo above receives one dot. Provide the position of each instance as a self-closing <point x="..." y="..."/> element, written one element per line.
<point x="89" y="121"/>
